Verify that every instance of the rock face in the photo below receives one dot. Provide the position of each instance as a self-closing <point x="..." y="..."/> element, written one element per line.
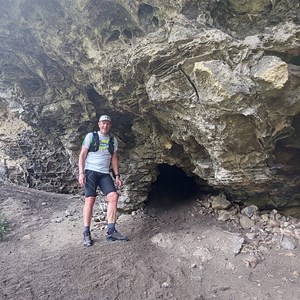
<point x="209" y="86"/>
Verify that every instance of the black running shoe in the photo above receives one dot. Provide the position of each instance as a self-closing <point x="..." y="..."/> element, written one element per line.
<point x="87" y="240"/>
<point x="116" y="236"/>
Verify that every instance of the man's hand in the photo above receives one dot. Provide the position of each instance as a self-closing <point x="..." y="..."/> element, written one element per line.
<point x="118" y="182"/>
<point x="81" y="179"/>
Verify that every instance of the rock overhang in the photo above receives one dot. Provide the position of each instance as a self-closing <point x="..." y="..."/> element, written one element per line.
<point x="182" y="90"/>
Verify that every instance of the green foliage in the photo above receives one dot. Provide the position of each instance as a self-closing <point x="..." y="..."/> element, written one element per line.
<point x="3" y="225"/>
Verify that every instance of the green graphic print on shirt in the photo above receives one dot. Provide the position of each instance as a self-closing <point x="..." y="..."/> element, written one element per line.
<point x="103" y="145"/>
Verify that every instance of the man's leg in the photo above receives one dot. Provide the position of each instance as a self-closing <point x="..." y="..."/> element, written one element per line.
<point x="87" y="218"/>
<point x="112" y="199"/>
<point x="90" y="197"/>
<point x="112" y="233"/>
<point x="108" y="188"/>
<point x="88" y="211"/>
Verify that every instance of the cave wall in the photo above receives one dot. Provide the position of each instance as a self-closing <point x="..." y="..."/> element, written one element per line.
<point x="209" y="86"/>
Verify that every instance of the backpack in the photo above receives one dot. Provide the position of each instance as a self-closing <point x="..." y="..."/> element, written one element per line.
<point x="96" y="143"/>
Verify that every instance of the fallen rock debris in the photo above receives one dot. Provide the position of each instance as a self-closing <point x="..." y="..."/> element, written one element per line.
<point x="260" y="231"/>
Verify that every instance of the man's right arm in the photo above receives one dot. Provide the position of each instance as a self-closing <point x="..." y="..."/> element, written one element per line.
<point x="81" y="163"/>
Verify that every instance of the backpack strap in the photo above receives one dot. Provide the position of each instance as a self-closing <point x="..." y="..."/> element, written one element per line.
<point x="95" y="142"/>
<point x="111" y="144"/>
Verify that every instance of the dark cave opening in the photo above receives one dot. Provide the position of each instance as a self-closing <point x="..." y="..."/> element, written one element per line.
<point x="174" y="187"/>
<point x="287" y="151"/>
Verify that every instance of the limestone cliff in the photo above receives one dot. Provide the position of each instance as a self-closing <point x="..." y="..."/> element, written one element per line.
<point x="209" y="86"/>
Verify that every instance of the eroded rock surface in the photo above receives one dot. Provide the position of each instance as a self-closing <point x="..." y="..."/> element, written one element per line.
<point x="210" y="86"/>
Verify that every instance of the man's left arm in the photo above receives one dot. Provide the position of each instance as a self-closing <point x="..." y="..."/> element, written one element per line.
<point x="115" y="167"/>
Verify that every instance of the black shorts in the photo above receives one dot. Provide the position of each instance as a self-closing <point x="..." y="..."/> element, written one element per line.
<point x="95" y="179"/>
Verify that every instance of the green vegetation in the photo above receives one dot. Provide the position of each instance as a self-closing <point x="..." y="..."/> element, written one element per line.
<point x="3" y="225"/>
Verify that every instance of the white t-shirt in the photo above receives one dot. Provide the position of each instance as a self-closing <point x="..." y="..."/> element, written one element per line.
<point x="99" y="161"/>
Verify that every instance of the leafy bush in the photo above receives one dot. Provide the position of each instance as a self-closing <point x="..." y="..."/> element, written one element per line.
<point x="3" y="225"/>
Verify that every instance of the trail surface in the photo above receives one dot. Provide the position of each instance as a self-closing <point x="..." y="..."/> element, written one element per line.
<point x="175" y="252"/>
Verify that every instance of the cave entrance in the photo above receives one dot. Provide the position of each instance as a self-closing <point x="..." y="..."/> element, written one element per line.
<point x="173" y="187"/>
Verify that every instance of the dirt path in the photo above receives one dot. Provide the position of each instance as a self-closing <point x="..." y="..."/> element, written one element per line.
<point x="178" y="253"/>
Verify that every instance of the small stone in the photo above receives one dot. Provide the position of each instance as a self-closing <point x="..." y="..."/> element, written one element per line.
<point x="26" y="237"/>
<point x="256" y="217"/>
<point x="251" y="261"/>
<point x="192" y="266"/>
<point x="97" y="219"/>
<point x="251" y="236"/>
<point x="103" y="206"/>
<point x="206" y="204"/>
<point x="44" y="203"/>
<point x="297" y="233"/>
<point x="296" y="274"/>
<point x="273" y="214"/>
<point x="225" y="215"/>
<point x="246" y="223"/>
<point x="274" y="223"/>
<point x="249" y="210"/>
<point x="165" y="285"/>
<point x="220" y="202"/>
<point x="57" y="220"/>
<point x="284" y="219"/>
<point x="288" y="243"/>
<point x="265" y="217"/>
<point x="68" y="213"/>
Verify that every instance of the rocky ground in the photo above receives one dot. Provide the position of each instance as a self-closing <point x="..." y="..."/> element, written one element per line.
<point x="201" y="248"/>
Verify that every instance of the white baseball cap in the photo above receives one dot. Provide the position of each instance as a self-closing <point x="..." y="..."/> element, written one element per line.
<point x="105" y="118"/>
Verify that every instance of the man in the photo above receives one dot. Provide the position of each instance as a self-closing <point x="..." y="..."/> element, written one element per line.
<point x="95" y="159"/>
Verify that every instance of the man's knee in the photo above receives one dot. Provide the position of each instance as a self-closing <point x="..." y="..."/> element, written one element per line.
<point x="112" y="197"/>
<point x="89" y="201"/>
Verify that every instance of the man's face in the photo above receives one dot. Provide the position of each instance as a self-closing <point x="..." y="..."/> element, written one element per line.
<point x="104" y="126"/>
